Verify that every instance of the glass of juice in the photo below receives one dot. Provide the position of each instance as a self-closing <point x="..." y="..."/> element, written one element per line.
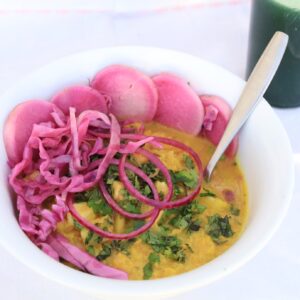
<point x="268" y="16"/>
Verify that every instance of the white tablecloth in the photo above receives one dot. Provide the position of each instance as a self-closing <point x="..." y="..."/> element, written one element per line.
<point x="31" y="38"/>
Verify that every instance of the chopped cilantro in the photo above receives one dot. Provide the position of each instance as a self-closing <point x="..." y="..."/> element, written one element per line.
<point x="89" y="237"/>
<point x="194" y="226"/>
<point x="139" y="184"/>
<point x="161" y="195"/>
<point x="94" y="157"/>
<point x="135" y="224"/>
<point x="154" y="173"/>
<point x="97" y="202"/>
<point x="129" y="203"/>
<point x="79" y="198"/>
<point x="179" y="222"/>
<point x="146" y="191"/>
<point x="91" y="250"/>
<point x="111" y="174"/>
<point x="168" y="245"/>
<point x="189" y="163"/>
<point x="207" y="193"/>
<point x="178" y="191"/>
<point x="105" y="252"/>
<point x="121" y="246"/>
<point x="138" y="224"/>
<point x="218" y="227"/>
<point x="234" y="210"/>
<point x="189" y="178"/>
<point x="154" y="257"/>
<point x="189" y="248"/>
<point x="77" y="225"/>
<point x="148" y="268"/>
<point x="183" y="217"/>
<point x="115" y="245"/>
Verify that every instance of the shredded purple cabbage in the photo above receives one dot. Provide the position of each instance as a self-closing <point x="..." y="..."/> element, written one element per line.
<point x="56" y="161"/>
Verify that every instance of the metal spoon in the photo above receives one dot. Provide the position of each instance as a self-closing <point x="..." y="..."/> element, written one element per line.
<point x="254" y="89"/>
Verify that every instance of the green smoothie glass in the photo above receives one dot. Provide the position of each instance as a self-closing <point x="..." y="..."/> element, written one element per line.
<point x="267" y="17"/>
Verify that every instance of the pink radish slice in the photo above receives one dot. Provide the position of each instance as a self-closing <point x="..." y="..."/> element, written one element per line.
<point x="19" y="124"/>
<point x="133" y="94"/>
<point x="81" y="98"/>
<point x="178" y="104"/>
<point x="217" y="115"/>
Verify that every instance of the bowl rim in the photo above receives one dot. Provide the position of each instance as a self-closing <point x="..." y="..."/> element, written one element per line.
<point x="165" y="286"/>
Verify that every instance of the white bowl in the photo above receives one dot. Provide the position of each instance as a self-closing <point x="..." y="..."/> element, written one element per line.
<point x="265" y="156"/>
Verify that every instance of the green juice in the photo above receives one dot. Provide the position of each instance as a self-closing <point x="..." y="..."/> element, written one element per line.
<point x="267" y="17"/>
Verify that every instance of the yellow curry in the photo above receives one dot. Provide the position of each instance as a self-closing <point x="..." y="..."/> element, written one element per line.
<point x="182" y="238"/>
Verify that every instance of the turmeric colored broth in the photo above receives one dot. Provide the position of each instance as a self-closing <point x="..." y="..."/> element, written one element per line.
<point x="225" y="196"/>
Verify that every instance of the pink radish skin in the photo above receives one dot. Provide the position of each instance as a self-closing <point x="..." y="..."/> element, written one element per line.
<point x="178" y="104"/>
<point x="19" y="124"/>
<point x="81" y="98"/>
<point x="133" y="94"/>
<point x="214" y="129"/>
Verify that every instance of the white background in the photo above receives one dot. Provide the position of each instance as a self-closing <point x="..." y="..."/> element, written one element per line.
<point x="33" y="36"/>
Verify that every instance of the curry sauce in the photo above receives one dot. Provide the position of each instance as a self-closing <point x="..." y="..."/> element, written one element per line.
<point x="182" y="238"/>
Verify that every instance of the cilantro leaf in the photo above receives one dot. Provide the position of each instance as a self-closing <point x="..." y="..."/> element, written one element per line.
<point x="189" y="178"/>
<point x="111" y="174"/>
<point x="79" y="197"/>
<point x="97" y="202"/>
<point x="234" y="210"/>
<point x="218" y="227"/>
<point x="154" y="173"/>
<point x="167" y="245"/>
<point x="154" y="258"/>
<point x="207" y="193"/>
<point x="105" y="252"/>
<point x="188" y="161"/>
<point x="91" y="250"/>
<point x="89" y="237"/>
<point x="148" y="268"/>
<point x="129" y="203"/>
<point x="183" y="217"/>
<point x="194" y="226"/>
<point x="77" y="225"/>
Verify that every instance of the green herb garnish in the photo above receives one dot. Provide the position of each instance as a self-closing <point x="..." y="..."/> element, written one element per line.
<point x="207" y="193"/>
<point x="148" y="268"/>
<point x="218" y="227"/>
<point x="115" y="245"/>
<point x="77" y="225"/>
<point x="79" y="197"/>
<point x="121" y="246"/>
<point x="189" y="163"/>
<point x="183" y="217"/>
<point x="91" y="250"/>
<point x="97" y="202"/>
<point x="89" y="237"/>
<point x="105" y="252"/>
<point x="139" y="184"/>
<point x="129" y="203"/>
<point x="167" y="245"/>
<point x="194" y="226"/>
<point x="94" y="157"/>
<point x="234" y="210"/>
<point x="189" y="178"/>
<point x="111" y="175"/>
<point x="154" y="173"/>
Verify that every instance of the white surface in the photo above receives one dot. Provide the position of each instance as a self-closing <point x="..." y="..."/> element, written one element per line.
<point x="29" y="40"/>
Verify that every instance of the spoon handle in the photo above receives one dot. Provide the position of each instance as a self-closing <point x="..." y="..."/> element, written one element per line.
<point x="254" y="89"/>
